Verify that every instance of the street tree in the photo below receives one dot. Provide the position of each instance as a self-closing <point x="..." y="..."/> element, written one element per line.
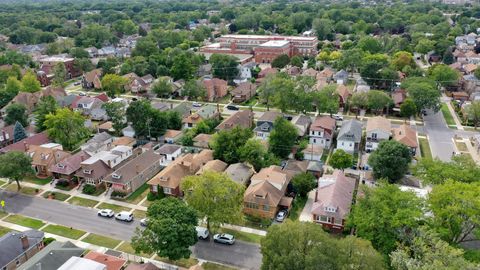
<point x="327" y="100"/>
<point x="194" y="90"/>
<point x="66" y="127"/>
<point x="282" y="138"/>
<point x="378" y="100"/>
<point x="113" y="84"/>
<point x="402" y="59"/>
<point x="473" y="113"/>
<point x="163" y="88"/>
<point x="170" y="230"/>
<point x="30" y="83"/>
<point x="182" y="67"/>
<point x="284" y="97"/>
<point x="424" y="46"/>
<point x="45" y="106"/>
<point x="456" y="210"/>
<point x="16" y="112"/>
<point x="390" y="160"/>
<point x="256" y="154"/>
<point x="380" y="205"/>
<point x="358" y="101"/>
<point x="267" y="90"/>
<point x="227" y="144"/>
<point x="60" y="73"/>
<point x="15" y="166"/>
<point x="408" y="109"/>
<point x="434" y="171"/>
<point x="116" y="111"/>
<point x="423" y="92"/>
<point x="224" y="66"/>
<point x="303" y="183"/>
<point x="19" y="132"/>
<point x="443" y="74"/>
<point x="341" y="160"/>
<point x="281" y="61"/>
<point x="139" y="115"/>
<point x="215" y="197"/>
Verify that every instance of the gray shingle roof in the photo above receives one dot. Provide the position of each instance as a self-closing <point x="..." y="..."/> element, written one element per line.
<point x="11" y="244"/>
<point x="52" y="256"/>
<point x="351" y="130"/>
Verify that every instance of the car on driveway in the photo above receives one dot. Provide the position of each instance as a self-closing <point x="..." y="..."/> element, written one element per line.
<point x="196" y="104"/>
<point x="82" y="94"/>
<point x="224" y="238"/>
<point x="281" y="215"/>
<point x="338" y="117"/>
<point x="232" y="107"/>
<point x="124" y="216"/>
<point x="144" y="222"/>
<point x="106" y="213"/>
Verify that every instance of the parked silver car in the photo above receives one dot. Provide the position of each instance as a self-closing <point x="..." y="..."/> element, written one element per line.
<point x="281" y="215"/>
<point x="105" y="213"/>
<point x="224" y="238"/>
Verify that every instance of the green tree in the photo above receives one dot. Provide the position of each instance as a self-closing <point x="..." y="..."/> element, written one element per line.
<point x="425" y="250"/>
<point x="113" y="84"/>
<point x="93" y="35"/>
<point x="145" y="47"/>
<point x="16" y="112"/>
<point x="182" y="67"/>
<point x="45" y="106"/>
<point x="282" y="138"/>
<point x="378" y="100"/>
<point x="60" y="73"/>
<point x="227" y="144"/>
<point x="281" y="61"/>
<point x="443" y="74"/>
<point x="304" y="183"/>
<point x="174" y="120"/>
<point x="370" y="44"/>
<point x="296" y="61"/>
<point x="324" y="28"/>
<point x="83" y="64"/>
<point x="108" y="65"/>
<point x="456" y="210"/>
<point x="402" y="59"/>
<point x="170" y="230"/>
<point x="423" y="92"/>
<point x="424" y="46"/>
<point x="163" y="88"/>
<point x="408" y="109"/>
<point x="30" y="83"/>
<point x="358" y="101"/>
<point x="434" y="171"/>
<point x="256" y="154"/>
<point x="215" y="197"/>
<point x="341" y="160"/>
<point x="19" y="132"/>
<point x="380" y="205"/>
<point x="327" y="100"/>
<point x="66" y="127"/>
<point x="139" y="115"/>
<point x="194" y="90"/>
<point x="13" y="86"/>
<point x="78" y="52"/>
<point x="15" y="166"/>
<point x="305" y="246"/>
<point x="124" y="27"/>
<point x="116" y="112"/>
<point x="473" y="113"/>
<point x="390" y="160"/>
<point x="224" y="66"/>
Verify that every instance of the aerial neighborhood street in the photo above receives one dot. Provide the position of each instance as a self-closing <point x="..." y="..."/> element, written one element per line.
<point x="220" y="135"/>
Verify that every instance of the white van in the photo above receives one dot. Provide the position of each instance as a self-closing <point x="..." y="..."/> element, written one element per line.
<point x="202" y="232"/>
<point x="124" y="216"/>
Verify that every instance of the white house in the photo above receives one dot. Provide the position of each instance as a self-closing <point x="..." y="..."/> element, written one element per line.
<point x="378" y="129"/>
<point x="349" y="136"/>
<point x="322" y="131"/>
<point x="169" y="153"/>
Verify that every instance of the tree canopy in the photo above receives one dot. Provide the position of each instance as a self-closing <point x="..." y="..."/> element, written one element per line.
<point x="66" y="127"/>
<point x="14" y="166"/>
<point x="390" y="160"/>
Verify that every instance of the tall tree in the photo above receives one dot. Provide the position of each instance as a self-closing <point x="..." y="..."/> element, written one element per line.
<point x="281" y="61"/>
<point x="296" y="61"/>
<point x="304" y="183"/>
<point x="378" y="100"/>
<point x="443" y="74"/>
<point x="116" y="112"/>
<point x="456" y="210"/>
<point x="170" y="230"/>
<point x="341" y="160"/>
<point x="66" y="127"/>
<point x="408" y="109"/>
<point x="282" y="138"/>
<point x="30" y="83"/>
<point x="113" y="84"/>
<point x="215" y="196"/>
<point x="256" y="154"/>
<point x="358" y="101"/>
<point x="402" y="59"/>
<point x="227" y="144"/>
<point x="19" y="132"/>
<point x="380" y="206"/>
<point x="60" y="73"/>
<point x="473" y="113"/>
<point x="423" y="92"/>
<point x="182" y="67"/>
<point x="194" y="90"/>
<point x="45" y="106"/>
<point x="224" y="66"/>
<point x="16" y="112"/>
<point x="139" y="115"/>
<point x="390" y="160"/>
<point x="14" y="166"/>
<point x="163" y="88"/>
<point x="327" y="100"/>
<point x="434" y="171"/>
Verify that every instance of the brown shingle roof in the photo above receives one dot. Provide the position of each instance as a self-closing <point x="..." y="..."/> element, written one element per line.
<point x="213" y="165"/>
<point x="112" y="262"/>
<point x="243" y="119"/>
<point x="406" y="135"/>
<point x="91" y="75"/>
<point x="134" y="167"/>
<point x="380" y="123"/>
<point x="269" y="116"/>
<point x="70" y="164"/>
<point x="268" y="186"/>
<point x="171" y="133"/>
<point x="21" y="146"/>
<point x="324" y="122"/>
<point x="127" y="141"/>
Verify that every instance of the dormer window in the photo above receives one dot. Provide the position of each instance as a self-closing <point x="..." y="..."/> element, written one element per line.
<point x="116" y="176"/>
<point x="330" y="209"/>
<point x="87" y="171"/>
<point x="60" y="165"/>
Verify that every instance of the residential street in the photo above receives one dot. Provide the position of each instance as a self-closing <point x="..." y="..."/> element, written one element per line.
<point x="244" y="255"/>
<point x="439" y="135"/>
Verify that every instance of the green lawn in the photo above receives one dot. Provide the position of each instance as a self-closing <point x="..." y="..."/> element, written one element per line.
<point x="4" y="231"/>
<point x="139" y="214"/>
<point x="250" y="102"/>
<point x="100" y="240"/>
<point x="59" y="196"/>
<point x="425" y="148"/>
<point x="243" y="236"/>
<point x="186" y="263"/>
<point x="98" y="191"/>
<point x="35" y="180"/>
<point x="139" y="194"/>
<point x="216" y="266"/>
<point x="3" y="214"/>
<point x="447" y="115"/>
<point x="82" y="202"/>
<point x="114" y="207"/>
<point x="127" y="248"/>
<point x="25" y="190"/>
<point x="297" y="207"/>
<point x="25" y="221"/>
<point x="2" y="182"/>
<point x="64" y="231"/>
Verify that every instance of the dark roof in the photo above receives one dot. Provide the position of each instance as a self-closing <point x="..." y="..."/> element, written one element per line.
<point x="143" y="266"/>
<point x="37" y="139"/>
<point x="134" y="167"/>
<point x="11" y="244"/>
<point x="269" y="116"/>
<point x="351" y="131"/>
<point x="168" y="149"/>
<point x="52" y="256"/>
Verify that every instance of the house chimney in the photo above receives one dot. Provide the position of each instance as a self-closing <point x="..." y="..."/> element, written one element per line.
<point x="25" y="144"/>
<point x="137" y="168"/>
<point x="25" y="244"/>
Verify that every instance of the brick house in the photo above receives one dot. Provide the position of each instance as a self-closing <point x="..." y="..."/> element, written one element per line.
<point x="47" y="66"/>
<point x="265" y="195"/>
<point x="243" y="119"/>
<point x="18" y="247"/>
<point x="243" y="92"/>
<point x="216" y="88"/>
<point x="66" y="168"/>
<point x="44" y="156"/>
<point x="333" y="200"/>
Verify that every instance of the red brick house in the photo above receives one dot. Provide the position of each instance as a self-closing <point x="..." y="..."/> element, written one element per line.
<point x="216" y="88"/>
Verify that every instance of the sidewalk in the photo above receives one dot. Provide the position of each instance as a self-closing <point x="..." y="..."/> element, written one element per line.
<point x="455" y="117"/>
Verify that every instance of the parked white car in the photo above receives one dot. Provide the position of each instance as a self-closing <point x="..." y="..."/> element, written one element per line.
<point x="224" y="238"/>
<point x="202" y="233"/>
<point x="124" y="216"/>
<point x="106" y="213"/>
<point x="281" y="215"/>
<point x="144" y="222"/>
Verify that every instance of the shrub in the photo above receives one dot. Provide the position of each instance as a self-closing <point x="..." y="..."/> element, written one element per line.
<point x="89" y="189"/>
<point x="62" y="183"/>
<point x="156" y="196"/>
<point x="48" y="240"/>
<point x="119" y="194"/>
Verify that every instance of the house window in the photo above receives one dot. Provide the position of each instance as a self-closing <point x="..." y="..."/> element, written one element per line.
<point x="322" y="218"/>
<point x="338" y="222"/>
<point x="266" y="207"/>
<point x="252" y="205"/>
<point x="167" y="190"/>
<point x="314" y="140"/>
<point x="86" y="171"/>
<point x="374" y="135"/>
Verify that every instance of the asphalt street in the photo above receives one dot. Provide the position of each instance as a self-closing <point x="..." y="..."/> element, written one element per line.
<point x="242" y="254"/>
<point x="439" y="135"/>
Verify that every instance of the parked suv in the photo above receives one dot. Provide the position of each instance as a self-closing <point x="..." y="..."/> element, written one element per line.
<point x="106" y="213"/>
<point x="124" y="216"/>
<point x="224" y="238"/>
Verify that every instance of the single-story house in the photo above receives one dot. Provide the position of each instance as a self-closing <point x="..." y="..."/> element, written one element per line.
<point x="66" y="168"/>
<point x="240" y="173"/>
<point x="202" y="140"/>
<point x="169" y="152"/>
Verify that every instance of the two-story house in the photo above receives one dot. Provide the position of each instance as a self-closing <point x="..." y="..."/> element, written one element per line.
<point x="18" y="247"/>
<point x="349" y="136"/>
<point x="265" y="124"/>
<point x="215" y="88"/>
<point x="378" y="129"/>
<point x="322" y="131"/>
<point x="265" y="195"/>
<point x="44" y="156"/>
<point x="243" y="92"/>
<point x="333" y="200"/>
<point x="407" y="136"/>
<point x="206" y="112"/>
<point x="243" y="119"/>
<point x="99" y="142"/>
